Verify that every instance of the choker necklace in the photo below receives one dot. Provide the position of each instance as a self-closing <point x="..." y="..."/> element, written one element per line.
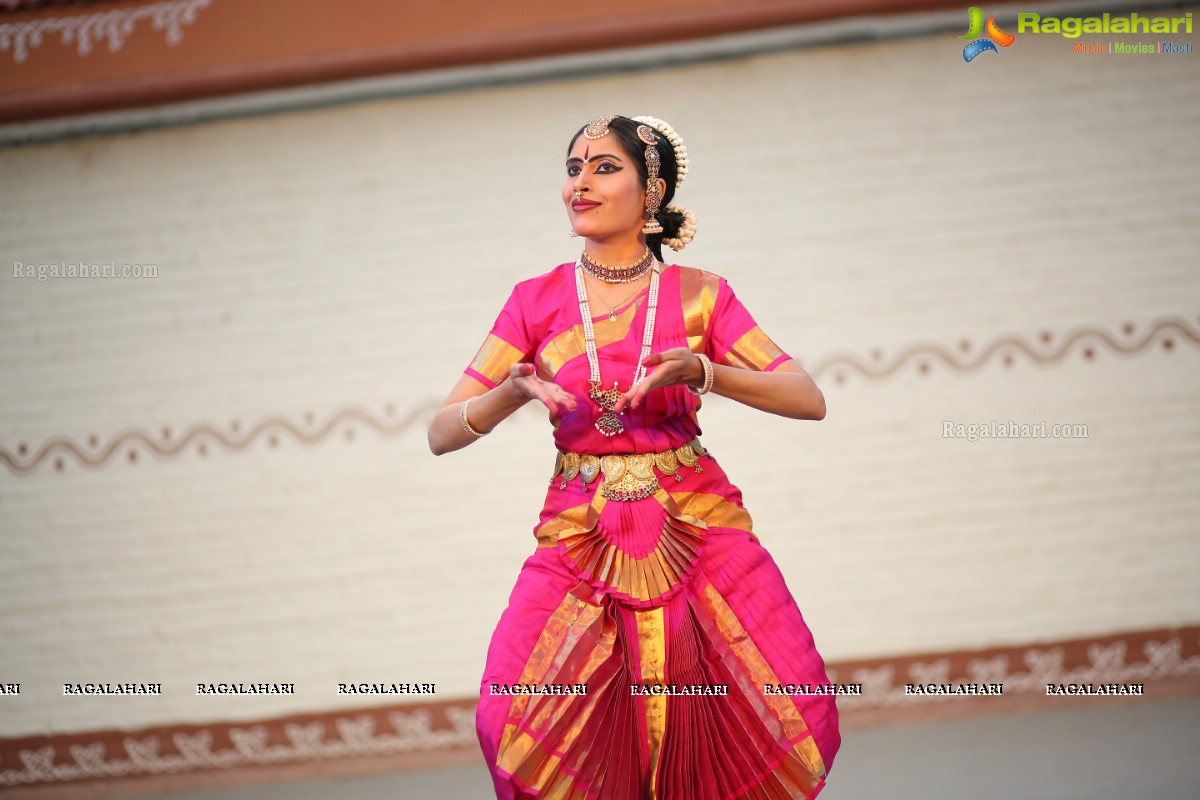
<point x="622" y="274"/>
<point x="609" y="423"/>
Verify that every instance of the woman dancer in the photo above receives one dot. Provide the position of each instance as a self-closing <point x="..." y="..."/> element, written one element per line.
<point x="646" y="640"/>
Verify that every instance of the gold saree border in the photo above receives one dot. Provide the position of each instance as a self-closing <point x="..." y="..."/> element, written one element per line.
<point x="698" y="296"/>
<point x="784" y="718"/>
<point x="520" y="754"/>
<point x="715" y="510"/>
<point x="753" y="350"/>
<point x="494" y="358"/>
<point x="708" y="509"/>
<point x="651" y="578"/>
<point x="571" y="344"/>
<point x="652" y="655"/>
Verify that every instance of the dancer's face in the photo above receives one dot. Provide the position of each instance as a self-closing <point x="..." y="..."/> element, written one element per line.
<point x="611" y="198"/>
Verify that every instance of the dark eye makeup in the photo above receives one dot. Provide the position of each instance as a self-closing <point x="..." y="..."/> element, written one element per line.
<point x="573" y="169"/>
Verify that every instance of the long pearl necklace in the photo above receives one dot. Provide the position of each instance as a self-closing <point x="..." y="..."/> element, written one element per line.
<point x="609" y="423"/>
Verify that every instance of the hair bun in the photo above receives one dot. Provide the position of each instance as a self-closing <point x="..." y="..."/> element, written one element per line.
<point x="679" y="226"/>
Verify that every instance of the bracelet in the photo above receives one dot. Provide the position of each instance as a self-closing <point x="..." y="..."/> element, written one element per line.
<point x="462" y="417"/>
<point x="708" y="376"/>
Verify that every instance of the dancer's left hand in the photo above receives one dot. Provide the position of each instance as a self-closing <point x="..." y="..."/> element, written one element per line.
<point x="679" y="365"/>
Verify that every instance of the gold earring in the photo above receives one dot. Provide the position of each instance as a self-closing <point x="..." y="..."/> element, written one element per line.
<point x="653" y="163"/>
<point x="653" y="200"/>
<point x="652" y="225"/>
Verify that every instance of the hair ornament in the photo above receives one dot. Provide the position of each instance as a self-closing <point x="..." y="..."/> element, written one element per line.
<point x="653" y="195"/>
<point x="598" y="127"/>
<point x="687" y="231"/>
<point x="681" y="157"/>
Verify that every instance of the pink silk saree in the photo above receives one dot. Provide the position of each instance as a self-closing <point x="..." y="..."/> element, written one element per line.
<point x="670" y="590"/>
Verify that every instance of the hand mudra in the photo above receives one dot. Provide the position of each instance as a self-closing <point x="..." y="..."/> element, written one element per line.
<point x="553" y="396"/>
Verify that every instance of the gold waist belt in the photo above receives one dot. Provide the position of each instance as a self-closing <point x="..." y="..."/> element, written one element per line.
<point x="627" y="476"/>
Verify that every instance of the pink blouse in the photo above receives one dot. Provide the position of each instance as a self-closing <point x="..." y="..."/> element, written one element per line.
<point x="696" y="309"/>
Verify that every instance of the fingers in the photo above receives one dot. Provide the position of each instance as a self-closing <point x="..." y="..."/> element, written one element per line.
<point x="520" y="370"/>
<point x="559" y="394"/>
<point x="681" y="355"/>
<point x="555" y="397"/>
<point x="671" y="367"/>
<point x="568" y="400"/>
<point x="549" y="394"/>
<point x="635" y="395"/>
<point x="652" y="359"/>
<point x="535" y="391"/>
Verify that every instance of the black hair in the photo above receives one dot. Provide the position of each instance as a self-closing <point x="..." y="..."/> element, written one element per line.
<point x="624" y="130"/>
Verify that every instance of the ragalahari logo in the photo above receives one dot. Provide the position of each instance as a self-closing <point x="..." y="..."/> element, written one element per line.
<point x="994" y="37"/>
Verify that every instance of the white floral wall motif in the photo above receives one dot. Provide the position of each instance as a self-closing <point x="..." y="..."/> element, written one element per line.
<point x="114" y="26"/>
<point x="1107" y="663"/>
<point x="341" y="737"/>
<point x="1163" y="656"/>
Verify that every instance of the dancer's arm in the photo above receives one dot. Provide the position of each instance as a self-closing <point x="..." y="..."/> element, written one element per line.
<point x="492" y="407"/>
<point x="787" y="390"/>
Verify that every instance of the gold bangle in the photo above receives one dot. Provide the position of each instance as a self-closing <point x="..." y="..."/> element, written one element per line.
<point x="462" y="417"/>
<point x="708" y="376"/>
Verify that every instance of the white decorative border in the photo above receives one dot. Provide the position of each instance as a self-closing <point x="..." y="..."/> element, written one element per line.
<point x="1106" y="664"/>
<point x="413" y="731"/>
<point x="306" y="742"/>
<point x="115" y="25"/>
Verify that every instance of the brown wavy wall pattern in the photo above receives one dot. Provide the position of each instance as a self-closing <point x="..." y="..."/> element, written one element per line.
<point x="1046" y="348"/>
<point x="201" y="437"/>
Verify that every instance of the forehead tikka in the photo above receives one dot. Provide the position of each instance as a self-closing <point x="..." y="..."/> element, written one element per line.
<point x="598" y="127"/>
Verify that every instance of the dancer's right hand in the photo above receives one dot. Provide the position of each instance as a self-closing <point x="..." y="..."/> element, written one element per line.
<point x="525" y="380"/>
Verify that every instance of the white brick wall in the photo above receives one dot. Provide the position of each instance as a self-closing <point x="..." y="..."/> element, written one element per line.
<point x="858" y="197"/>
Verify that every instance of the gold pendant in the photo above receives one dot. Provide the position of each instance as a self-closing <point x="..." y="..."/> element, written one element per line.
<point x="609" y="423"/>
